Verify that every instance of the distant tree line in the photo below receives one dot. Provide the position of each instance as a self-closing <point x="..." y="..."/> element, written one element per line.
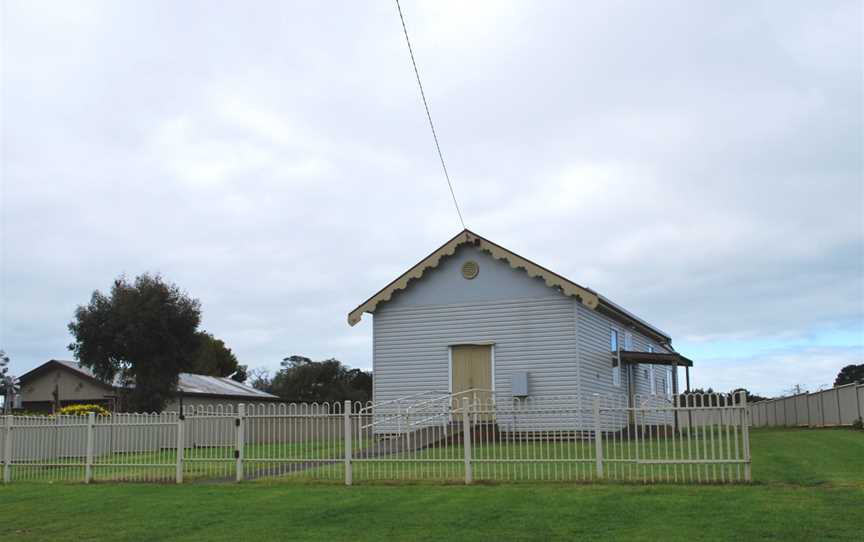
<point x="850" y="374"/>
<point x="305" y="381"/>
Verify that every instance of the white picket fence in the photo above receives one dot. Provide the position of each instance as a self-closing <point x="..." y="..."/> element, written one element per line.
<point x="463" y="438"/>
<point x="827" y="408"/>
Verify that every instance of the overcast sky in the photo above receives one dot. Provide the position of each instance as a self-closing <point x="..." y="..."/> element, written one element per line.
<point x="700" y="163"/>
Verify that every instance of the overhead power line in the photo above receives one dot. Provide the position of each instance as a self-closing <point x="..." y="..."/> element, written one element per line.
<point x="429" y="115"/>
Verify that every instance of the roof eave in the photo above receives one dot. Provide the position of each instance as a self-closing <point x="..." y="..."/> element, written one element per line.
<point x="53" y="363"/>
<point x="250" y="398"/>
<point x="632" y="319"/>
<point x="655" y="358"/>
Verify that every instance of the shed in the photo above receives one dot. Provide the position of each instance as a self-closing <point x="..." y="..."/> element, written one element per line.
<point x="67" y="382"/>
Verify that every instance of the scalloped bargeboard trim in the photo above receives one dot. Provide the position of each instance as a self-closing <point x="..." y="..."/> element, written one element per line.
<point x="552" y="280"/>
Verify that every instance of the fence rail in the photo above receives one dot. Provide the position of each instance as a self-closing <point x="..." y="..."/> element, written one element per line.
<point x="505" y="439"/>
<point x="827" y="408"/>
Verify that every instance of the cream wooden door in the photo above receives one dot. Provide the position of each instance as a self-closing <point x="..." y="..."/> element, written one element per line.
<point x="471" y="370"/>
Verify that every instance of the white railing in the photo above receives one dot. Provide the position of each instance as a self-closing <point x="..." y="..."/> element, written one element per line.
<point x="474" y="437"/>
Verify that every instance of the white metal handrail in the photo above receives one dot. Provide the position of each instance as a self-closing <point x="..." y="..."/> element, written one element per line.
<point x="448" y="398"/>
<point x="397" y="401"/>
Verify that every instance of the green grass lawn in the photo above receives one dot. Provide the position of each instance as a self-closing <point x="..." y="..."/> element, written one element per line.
<point x="503" y="460"/>
<point x="809" y="484"/>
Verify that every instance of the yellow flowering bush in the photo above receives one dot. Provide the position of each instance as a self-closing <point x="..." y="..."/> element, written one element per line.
<point x="83" y="410"/>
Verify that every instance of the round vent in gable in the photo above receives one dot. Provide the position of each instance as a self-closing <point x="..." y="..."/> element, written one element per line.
<point x="470" y="269"/>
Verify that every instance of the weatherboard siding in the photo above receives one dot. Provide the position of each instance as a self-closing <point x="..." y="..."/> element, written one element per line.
<point x="561" y="344"/>
<point x="594" y="354"/>
<point x="411" y="344"/>
<point x="596" y="358"/>
<point x="69" y="386"/>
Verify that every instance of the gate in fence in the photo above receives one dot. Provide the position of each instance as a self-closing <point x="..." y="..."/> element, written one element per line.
<point x="440" y="438"/>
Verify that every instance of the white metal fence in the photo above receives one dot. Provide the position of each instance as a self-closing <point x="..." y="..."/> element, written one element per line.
<point x="827" y="408"/>
<point x="442" y="439"/>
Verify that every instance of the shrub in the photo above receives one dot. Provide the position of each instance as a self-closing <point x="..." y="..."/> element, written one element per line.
<point x="30" y="413"/>
<point x="858" y="424"/>
<point x="83" y="410"/>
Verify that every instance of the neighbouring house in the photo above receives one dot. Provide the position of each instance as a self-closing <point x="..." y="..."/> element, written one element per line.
<point x="59" y="382"/>
<point x="475" y="316"/>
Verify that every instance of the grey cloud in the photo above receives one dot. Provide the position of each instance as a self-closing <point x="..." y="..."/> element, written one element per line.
<point x="699" y="163"/>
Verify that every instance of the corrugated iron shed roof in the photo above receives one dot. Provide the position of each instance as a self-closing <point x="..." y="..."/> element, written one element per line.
<point x="189" y="383"/>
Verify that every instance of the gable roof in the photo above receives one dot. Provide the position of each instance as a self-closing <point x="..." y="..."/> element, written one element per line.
<point x="188" y="383"/>
<point x="70" y="366"/>
<point x="586" y="296"/>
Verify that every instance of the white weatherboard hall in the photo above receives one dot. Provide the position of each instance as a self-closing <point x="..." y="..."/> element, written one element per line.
<point x="475" y="316"/>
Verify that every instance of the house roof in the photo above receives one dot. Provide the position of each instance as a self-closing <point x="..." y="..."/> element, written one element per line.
<point x="188" y="383"/>
<point x="586" y="296"/>
<point x="71" y="366"/>
<point x="214" y="385"/>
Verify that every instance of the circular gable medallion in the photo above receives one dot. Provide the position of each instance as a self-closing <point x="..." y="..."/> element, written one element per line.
<point x="470" y="269"/>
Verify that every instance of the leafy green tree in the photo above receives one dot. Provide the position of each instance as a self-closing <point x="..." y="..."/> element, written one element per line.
<point x="8" y="383"/>
<point x="4" y="371"/>
<point x="143" y="332"/>
<point x="850" y="374"/>
<point x="304" y="380"/>
<point x="213" y="358"/>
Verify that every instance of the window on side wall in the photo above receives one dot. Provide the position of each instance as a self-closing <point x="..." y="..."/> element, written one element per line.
<point x="650" y="348"/>
<point x="669" y="382"/>
<point x="628" y="341"/>
<point x="616" y="358"/>
<point x="653" y="378"/>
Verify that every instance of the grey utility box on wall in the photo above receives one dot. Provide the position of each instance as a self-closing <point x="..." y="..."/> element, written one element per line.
<point x="519" y="383"/>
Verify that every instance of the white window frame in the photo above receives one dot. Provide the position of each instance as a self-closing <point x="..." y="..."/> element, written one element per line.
<point x="616" y="357"/>
<point x="653" y="379"/>
<point x="651" y="371"/>
<point x="628" y="340"/>
<point x="669" y="382"/>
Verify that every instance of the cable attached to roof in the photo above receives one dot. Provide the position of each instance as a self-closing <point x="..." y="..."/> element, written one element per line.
<point x="429" y="116"/>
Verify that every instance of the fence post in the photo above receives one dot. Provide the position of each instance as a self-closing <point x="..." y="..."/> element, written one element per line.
<point x="822" y="406"/>
<point x="349" y="475"/>
<point x="181" y="444"/>
<point x="238" y="450"/>
<point x="466" y="440"/>
<point x="839" y="411"/>
<point x="7" y="451"/>
<point x="858" y="401"/>
<point x="88" y="464"/>
<point x="745" y="434"/>
<point x="795" y="409"/>
<point x="598" y="437"/>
